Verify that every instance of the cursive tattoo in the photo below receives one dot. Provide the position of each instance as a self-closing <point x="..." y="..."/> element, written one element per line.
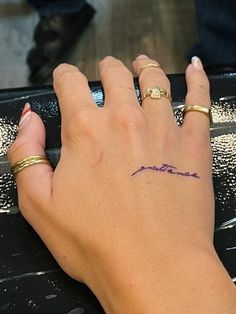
<point x="168" y="169"/>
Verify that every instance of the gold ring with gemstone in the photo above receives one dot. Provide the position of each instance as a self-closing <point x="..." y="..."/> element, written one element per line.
<point x="205" y="110"/>
<point x="150" y="65"/>
<point x="156" y="92"/>
<point x="28" y="161"/>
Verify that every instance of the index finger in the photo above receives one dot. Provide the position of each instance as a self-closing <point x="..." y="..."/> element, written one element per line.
<point x="72" y="89"/>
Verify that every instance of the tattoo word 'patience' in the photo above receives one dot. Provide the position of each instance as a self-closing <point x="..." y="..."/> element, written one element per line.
<point x="168" y="169"/>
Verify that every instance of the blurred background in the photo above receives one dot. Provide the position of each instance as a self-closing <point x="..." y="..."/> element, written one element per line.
<point x="162" y="29"/>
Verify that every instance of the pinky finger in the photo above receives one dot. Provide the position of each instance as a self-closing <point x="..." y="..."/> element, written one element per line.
<point x="198" y="93"/>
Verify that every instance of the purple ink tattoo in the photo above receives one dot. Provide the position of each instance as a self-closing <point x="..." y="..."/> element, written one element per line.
<point x="169" y="169"/>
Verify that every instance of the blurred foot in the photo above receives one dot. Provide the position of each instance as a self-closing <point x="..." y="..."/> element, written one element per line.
<point x="54" y="37"/>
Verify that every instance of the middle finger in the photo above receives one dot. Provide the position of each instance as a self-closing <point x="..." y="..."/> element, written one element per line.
<point x="118" y="84"/>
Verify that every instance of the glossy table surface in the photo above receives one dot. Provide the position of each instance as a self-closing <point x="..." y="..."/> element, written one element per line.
<point x="30" y="279"/>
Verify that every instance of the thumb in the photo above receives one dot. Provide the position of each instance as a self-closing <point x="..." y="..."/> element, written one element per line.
<point x="33" y="182"/>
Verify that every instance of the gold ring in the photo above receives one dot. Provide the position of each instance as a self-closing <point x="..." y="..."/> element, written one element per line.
<point x="156" y="92"/>
<point x="28" y="161"/>
<point x="150" y="65"/>
<point x="205" y="110"/>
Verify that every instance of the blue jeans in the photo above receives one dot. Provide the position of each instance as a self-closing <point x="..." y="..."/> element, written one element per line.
<point x="216" y="22"/>
<point x="55" y="7"/>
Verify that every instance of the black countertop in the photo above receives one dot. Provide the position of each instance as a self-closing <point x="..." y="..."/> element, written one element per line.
<point x="30" y="279"/>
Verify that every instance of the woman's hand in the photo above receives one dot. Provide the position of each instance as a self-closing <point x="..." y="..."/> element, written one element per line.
<point x="129" y="210"/>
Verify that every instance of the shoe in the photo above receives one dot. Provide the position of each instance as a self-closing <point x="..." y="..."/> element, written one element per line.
<point x="54" y="37"/>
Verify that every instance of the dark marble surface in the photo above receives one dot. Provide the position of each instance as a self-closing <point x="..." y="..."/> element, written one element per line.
<point x="30" y="279"/>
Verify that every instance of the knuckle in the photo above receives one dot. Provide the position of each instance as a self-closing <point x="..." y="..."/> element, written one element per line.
<point x="81" y="123"/>
<point x="16" y="148"/>
<point x="199" y="93"/>
<point x="163" y="79"/>
<point x="203" y="87"/>
<point x="107" y="68"/>
<point x="126" y="73"/>
<point x="114" y="67"/>
<point x="68" y="79"/>
<point x="106" y="59"/>
<point x="129" y="74"/>
<point x="167" y="139"/>
<point x="67" y="76"/>
<point x="130" y="118"/>
<point x="84" y="117"/>
<point x="198" y="143"/>
<point x="62" y="68"/>
<point x="200" y="98"/>
<point x="117" y="90"/>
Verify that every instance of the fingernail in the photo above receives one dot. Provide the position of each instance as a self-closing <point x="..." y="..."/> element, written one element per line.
<point x="142" y="56"/>
<point x="196" y="62"/>
<point x="25" y="115"/>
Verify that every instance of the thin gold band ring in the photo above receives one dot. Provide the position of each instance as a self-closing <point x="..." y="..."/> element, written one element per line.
<point x="28" y="161"/>
<point x="202" y="109"/>
<point x="150" y="65"/>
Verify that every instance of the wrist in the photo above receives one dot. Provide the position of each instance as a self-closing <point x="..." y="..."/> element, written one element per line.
<point x="162" y="286"/>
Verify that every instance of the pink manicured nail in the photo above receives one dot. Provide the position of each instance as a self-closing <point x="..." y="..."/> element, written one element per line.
<point x="196" y="62"/>
<point x="25" y="115"/>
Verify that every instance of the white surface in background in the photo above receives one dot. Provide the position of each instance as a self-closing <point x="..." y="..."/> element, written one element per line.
<point x="17" y="22"/>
